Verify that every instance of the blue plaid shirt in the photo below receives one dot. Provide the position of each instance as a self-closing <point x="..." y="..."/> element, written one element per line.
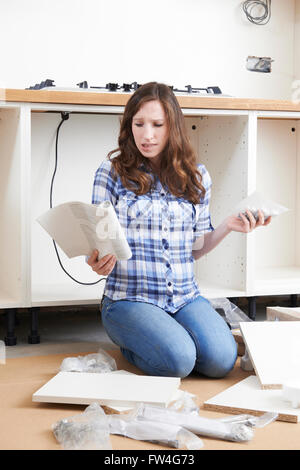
<point x="160" y="229"/>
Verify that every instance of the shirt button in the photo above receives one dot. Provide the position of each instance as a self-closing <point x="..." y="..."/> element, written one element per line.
<point x="165" y="243"/>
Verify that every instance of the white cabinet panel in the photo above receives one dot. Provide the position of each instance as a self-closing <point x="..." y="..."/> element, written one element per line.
<point x="276" y="253"/>
<point x="13" y="253"/>
<point x="222" y="146"/>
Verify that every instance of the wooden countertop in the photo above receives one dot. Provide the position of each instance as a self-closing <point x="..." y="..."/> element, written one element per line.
<point x="120" y="99"/>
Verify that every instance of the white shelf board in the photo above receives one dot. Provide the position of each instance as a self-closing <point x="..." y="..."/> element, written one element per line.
<point x="274" y="350"/>
<point x="213" y="291"/>
<point x="277" y="280"/>
<point x="66" y="294"/>
<point x="107" y="389"/>
<point x="214" y="112"/>
<point x="247" y="396"/>
<point x="278" y="114"/>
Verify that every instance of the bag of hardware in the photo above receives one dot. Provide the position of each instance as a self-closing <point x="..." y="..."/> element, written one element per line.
<point x="99" y="362"/>
<point x="232" y="314"/>
<point x="86" y="431"/>
<point x="256" y="202"/>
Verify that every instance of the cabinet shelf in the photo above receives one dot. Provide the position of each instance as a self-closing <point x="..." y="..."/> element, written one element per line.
<point x="68" y="294"/>
<point x="277" y="280"/>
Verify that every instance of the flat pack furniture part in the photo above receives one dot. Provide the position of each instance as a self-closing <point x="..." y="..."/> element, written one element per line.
<point x="108" y="389"/>
<point x="274" y="350"/>
<point x="283" y="313"/>
<point x="247" y="396"/>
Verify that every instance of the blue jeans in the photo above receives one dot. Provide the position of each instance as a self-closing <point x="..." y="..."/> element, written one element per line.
<point x="195" y="338"/>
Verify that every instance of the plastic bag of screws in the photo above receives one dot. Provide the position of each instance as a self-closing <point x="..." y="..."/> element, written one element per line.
<point x="256" y="202"/>
<point x="86" y="431"/>
<point x="99" y="362"/>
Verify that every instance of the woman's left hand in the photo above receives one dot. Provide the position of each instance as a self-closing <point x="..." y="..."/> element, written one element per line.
<point x="247" y="224"/>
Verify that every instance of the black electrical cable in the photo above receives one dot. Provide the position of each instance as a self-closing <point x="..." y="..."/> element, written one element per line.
<point x="250" y="5"/>
<point x="64" y="117"/>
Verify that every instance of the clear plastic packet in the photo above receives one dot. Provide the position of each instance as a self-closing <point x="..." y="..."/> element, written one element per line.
<point x="86" y="431"/>
<point x="253" y="421"/>
<point x="184" y="401"/>
<point x="233" y="314"/>
<point x="231" y="431"/>
<point x="257" y="201"/>
<point x="130" y="425"/>
<point x="99" y="362"/>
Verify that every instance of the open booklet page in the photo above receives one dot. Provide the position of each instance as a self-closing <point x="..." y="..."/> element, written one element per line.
<point x="78" y="228"/>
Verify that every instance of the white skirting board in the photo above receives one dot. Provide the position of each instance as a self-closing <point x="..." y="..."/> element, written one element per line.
<point x="110" y="389"/>
<point x="274" y="349"/>
<point x="247" y="397"/>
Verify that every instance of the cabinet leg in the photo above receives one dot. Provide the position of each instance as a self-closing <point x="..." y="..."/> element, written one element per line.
<point x="34" y="337"/>
<point x="293" y="300"/>
<point x="252" y="307"/>
<point x="10" y="338"/>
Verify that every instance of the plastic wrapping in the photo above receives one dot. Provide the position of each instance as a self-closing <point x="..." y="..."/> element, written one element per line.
<point x="253" y="421"/>
<point x="257" y="201"/>
<point x="235" y="431"/>
<point x="99" y="362"/>
<point x="86" y="431"/>
<point x="233" y="314"/>
<point x="184" y="402"/>
<point x="135" y="427"/>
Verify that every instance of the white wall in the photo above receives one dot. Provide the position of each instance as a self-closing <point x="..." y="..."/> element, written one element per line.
<point x="179" y="42"/>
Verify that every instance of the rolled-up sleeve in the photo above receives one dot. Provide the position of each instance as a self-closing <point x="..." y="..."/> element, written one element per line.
<point x="203" y="218"/>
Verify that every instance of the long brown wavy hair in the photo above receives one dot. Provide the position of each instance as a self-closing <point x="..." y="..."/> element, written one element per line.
<point x="178" y="171"/>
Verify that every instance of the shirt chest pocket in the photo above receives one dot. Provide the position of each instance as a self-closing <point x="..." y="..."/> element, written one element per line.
<point x="139" y="207"/>
<point x="134" y="211"/>
<point x="182" y="213"/>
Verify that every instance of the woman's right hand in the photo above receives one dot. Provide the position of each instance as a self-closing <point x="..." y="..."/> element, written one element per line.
<point x="102" y="266"/>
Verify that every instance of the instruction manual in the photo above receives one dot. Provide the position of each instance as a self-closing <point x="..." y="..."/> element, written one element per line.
<point x="79" y="228"/>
